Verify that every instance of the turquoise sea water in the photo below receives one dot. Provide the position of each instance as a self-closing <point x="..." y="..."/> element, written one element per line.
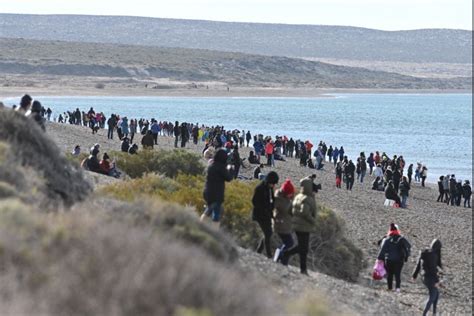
<point x="435" y="129"/>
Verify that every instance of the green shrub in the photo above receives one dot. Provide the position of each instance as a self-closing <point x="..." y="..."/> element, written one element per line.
<point x="92" y="263"/>
<point x="167" y="162"/>
<point x="330" y="252"/>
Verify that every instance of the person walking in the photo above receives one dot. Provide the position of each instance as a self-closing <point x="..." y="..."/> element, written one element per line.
<point x="466" y="192"/>
<point x="371" y="162"/>
<point x="440" y="189"/>
<point x="430" y="261"/>
<point x="218" y="173"/>
<point x="452" y="190"/>
<point x="410" y="173"/>
<point x="404" y="189"/>
<point x="304" y="221"/>
<point x="262" y="213"/>
<point x="338" y="175"/>
<point x="176" y="133"/>
<point x="111" y="123"/>
<point x="349" y="170"/>
<point x="423" y="175"/>
<point x="282" y="219"/>
<point x="394" y="251"/>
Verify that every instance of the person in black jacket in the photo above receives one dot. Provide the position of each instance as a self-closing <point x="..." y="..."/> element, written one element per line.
<point x="349" y="170"/>
<point x="440" y="189"/>
<point x="394" y="251"/>
<point x="176" y="132"/>
<point x="391" y="194"/>
<point x="404" y="189"/>
<point x="262" y="213"/>
<point x="466" y="192"/>
<point x="452" y="190"/>
<point x="430" y="261"/>
<point x="184" y="132"/>
<point x="218" y="173"/>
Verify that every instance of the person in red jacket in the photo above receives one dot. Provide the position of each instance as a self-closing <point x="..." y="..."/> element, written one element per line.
<point x="269" y="148"/>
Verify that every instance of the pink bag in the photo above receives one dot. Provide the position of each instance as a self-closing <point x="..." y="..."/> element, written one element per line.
<point x="379" y="270"/>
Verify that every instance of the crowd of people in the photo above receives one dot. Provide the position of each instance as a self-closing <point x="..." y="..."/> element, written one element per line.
<point x="284" y="210"/>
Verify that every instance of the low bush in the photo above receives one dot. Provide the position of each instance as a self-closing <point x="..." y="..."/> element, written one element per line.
<point x="87" y="263"/>
<point x="167" y="162"/>
<point x="29" y="147"/>
<point x="178" y="223"/>
<point x="330" y="253"/>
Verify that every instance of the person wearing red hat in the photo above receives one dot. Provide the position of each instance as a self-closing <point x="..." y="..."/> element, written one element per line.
<point x="394" y="251"/>
<point x="282" y="219"/>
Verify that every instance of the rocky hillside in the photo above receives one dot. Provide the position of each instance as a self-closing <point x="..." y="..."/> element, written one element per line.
<point x="52" y="58"/>
<point x="317" y="41"/>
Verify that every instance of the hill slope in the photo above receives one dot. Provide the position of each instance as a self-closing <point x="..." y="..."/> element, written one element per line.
<point x="428" y="45"/>
<point x="142" y="62"/>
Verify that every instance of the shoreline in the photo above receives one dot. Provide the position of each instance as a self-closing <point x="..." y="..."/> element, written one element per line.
<point x="234" y="92"/>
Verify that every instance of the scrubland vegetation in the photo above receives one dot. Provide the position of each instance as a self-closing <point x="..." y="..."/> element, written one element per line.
<point x="138" y="251"/>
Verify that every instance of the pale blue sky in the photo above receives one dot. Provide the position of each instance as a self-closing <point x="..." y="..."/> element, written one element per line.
<point x="380" y="14"/>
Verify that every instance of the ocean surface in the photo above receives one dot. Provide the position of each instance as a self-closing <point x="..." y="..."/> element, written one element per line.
<point x="434" y="129"/>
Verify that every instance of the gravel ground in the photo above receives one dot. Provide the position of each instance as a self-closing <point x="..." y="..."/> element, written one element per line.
<point x="367" y="220"/>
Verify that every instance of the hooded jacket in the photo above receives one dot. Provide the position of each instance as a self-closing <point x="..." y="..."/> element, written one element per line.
<point x="217" y="175"/>
<point x="304" y="208"/>
<point x="466" y="191"/>
<point x="429" y="260"/>
<point x="262" y="201"/>
<point x="282" y="214"/>
<point x="394" y="248"/>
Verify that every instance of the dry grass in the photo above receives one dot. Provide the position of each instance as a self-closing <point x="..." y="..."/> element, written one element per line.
<point x="87" y="263"/>
<point x="27" y="147"/>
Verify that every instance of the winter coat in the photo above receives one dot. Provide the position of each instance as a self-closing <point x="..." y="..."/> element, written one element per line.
<point x="125" y="126"/>
<point x="262" y="201"/>
<point x="217" y="175"/>
<point x="269" y="148"/>
<point x="147" y="140"/>
<point x="404" y="188"/>
<point x="452" y="186"/>
<point x="440" y="186"/>
<point x="363" y="165"/>
<point x="429" y="260"/>
<point x="390" y="193"/>
<point x="304" y="208"/>
<point x="394" y="248"/>
<point x="378" y="172"/>
<point x="349" y="170"/>
<point x="282" y="214"/>
<point x="466" y="191"/>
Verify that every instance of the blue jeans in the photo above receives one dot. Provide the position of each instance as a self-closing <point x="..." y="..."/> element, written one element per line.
<point x="214" y="211"/>
<point x="362" y="175"/>
<point x="288" y="242"/>
<point x="404" y="201"/>
<point x="433" y="296"/>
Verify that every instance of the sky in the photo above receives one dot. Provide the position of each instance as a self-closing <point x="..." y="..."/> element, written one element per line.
<point x="378" y="14"/>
